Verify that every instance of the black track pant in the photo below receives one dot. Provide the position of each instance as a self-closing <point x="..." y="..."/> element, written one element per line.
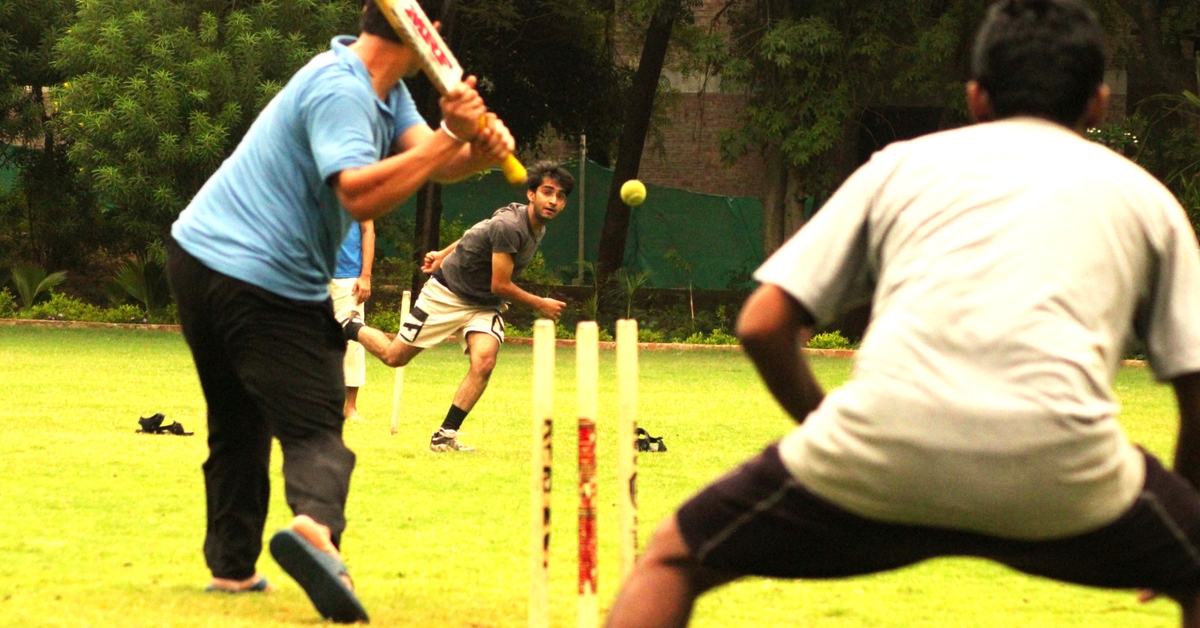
<point x="270" y="367"/>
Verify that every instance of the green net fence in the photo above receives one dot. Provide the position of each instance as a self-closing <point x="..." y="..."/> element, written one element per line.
<point x="676" y="237"/>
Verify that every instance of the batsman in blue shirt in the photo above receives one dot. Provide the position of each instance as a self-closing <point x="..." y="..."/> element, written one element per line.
<point x="250" y="264"/>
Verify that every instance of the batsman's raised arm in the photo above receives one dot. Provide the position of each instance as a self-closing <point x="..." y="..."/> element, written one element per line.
<point x="442" y="155"/>
<point x="491" y="144"/>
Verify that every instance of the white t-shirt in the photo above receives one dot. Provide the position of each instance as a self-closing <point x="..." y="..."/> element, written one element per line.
<point x="1008" y="263"/>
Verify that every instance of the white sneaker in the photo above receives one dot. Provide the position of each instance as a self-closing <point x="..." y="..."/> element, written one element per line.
<point x="447" y="440"/>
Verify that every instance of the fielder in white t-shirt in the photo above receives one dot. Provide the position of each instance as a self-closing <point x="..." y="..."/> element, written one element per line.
<point x="1007" y="263"/>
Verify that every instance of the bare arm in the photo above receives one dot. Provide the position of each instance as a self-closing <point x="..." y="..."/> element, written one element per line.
<point x="769" y="329"/>
<point x="362" y="287"/>
<point x="1187" y="449"/>
<point x="433" y="259"/>
<point x="488" y="146"/>
<point x="503" y="287"/>
<point x="372" y="191"/>
<point x="376" y="189"/>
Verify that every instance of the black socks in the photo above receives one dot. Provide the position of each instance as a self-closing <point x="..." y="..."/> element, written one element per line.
<point x="454" y="418"/>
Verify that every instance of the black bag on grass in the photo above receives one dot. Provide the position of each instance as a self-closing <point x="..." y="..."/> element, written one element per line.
<point x="646" y="442"/>
<point x="154" y="425"/>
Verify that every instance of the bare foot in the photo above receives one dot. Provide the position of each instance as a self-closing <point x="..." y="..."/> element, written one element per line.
<point x="319" y="536"/>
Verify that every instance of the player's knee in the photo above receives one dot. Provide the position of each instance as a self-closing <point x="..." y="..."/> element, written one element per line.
<point x="484" y="365"/>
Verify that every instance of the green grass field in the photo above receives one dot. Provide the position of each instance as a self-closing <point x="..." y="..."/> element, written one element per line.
<point x="104" y="526"/>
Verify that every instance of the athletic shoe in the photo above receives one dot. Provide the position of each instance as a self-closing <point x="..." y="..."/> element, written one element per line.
<point x="447" y="440"/>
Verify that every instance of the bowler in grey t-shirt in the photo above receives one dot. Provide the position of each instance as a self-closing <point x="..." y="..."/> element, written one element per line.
<point x="472" y="285"/>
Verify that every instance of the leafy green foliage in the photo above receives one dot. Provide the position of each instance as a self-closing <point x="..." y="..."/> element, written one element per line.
<point x="60" y="307"/>
<point x="46" y="215"/>
<point x="630" y="282"/>
<point x="543" y="64"/>
<point x="716" y="337"/>
<point x="31" y="281"/>
<point x="8" y="303"/>
<point x="1163" y="136"/>
<point x="385" y="319"/>
<point x="810" y="69"/>
<point x="145" y="279"/>
<point x="679" y="263"/>
<point x="538" y="273"/>
<point x="162" y="91"/>
<point x="829" y="340"/>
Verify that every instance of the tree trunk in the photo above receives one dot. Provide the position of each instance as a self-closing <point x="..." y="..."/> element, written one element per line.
<point x="783" y="205"/>
<point x="793" y="204"/>
<point x="633" y="135"/>
<point x="427" y="231"/>
<point x="775" y="201"/>
<point x="427" y="227"/>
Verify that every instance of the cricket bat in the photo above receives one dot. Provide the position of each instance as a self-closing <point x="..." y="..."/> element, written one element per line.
<point x="443" y="70"/>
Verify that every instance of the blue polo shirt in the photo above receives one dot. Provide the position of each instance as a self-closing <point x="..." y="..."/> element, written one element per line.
<point x="349" y="261"/>
<point x="267" y="216"/>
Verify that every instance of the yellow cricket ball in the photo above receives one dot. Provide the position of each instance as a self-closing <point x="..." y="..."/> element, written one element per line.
<point x="633" y="192"/>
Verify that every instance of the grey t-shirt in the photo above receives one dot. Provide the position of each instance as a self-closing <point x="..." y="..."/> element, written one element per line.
<point x="1007" y="262"/>
<point x="467" y="271"/>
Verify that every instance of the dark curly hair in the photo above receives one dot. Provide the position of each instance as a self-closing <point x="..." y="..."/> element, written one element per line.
<point x="542" y="169"/>
<point x="1042" y="58"/>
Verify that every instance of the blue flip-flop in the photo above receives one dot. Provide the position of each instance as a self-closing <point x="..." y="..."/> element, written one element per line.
<point x="258" y="587"/>
<point x="319" y="574"/>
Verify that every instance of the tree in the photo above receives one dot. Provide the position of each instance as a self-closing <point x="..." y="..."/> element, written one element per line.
<point x="161" y="91"/>
<point x="543" y="65"/>
<point x="47" y="217"/>
<point x="664" y="15"/>
<point x="811" y="70"/>
<point x="1162" y="30"/>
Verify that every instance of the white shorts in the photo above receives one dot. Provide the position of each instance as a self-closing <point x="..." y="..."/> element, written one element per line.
<point x="439" y="313"/>
<point x="345" y="305"/>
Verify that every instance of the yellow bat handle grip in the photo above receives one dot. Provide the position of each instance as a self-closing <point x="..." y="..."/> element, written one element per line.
<point x="513" y="171"/>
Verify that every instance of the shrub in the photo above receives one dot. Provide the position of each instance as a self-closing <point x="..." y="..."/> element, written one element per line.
<point x="538" y="273"/>
<point x="127" y="313"/>
<point x="169" y="316"/>
<point x="829" y="340"/>
<point x="61" y="307"/>
<point x="649" y="335"/>
<point x="516" y="332"/>
<point x="721" y="337"/>
<point x="8" y="303"/>
<point x="144" y="278"/>
<point x="387" y="320"/>
<point x="32" y="280"/>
